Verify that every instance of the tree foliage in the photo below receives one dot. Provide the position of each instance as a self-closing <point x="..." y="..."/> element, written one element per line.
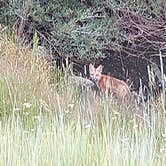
<point x="90" y="28"/>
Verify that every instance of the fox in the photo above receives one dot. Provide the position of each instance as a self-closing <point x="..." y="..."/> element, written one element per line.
<point x="109" y="84"/>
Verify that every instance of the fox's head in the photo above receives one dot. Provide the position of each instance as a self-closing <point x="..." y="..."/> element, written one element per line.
<point x="95" y="73"/>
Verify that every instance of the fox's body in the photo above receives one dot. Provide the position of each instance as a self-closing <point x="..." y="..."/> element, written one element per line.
<point x="113" y="85"/>
<point x="107" y="83"/>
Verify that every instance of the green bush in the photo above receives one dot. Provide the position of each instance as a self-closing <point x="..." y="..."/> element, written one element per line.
<point x="80" y="28"/>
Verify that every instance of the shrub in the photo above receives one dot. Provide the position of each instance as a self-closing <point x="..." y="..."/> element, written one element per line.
<point x="86" y="29"/>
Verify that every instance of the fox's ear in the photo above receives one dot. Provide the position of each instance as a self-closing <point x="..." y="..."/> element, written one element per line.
<point x="91" y="67"/>
<point x="100" y="68"/>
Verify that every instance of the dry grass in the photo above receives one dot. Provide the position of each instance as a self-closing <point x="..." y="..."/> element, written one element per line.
<point x="45" y="123"/>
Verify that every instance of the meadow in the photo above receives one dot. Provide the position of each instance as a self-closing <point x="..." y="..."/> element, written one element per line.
<point x="48" y="120"/>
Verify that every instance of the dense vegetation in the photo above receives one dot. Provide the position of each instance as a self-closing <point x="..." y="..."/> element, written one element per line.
<point x="90" y="28"/>
<point x="45" y="117"/>
<point x="44" y="123"/>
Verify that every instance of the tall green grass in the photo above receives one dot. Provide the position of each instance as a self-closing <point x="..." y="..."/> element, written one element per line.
<point x="57" y="139"/>
<point x="44" y="123"/>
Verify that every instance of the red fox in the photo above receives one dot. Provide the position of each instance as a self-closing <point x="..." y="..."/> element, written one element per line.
<point x="104" y="82"/>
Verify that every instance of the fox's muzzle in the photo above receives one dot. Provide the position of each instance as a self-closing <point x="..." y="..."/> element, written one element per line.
<point x="94" y="79"/>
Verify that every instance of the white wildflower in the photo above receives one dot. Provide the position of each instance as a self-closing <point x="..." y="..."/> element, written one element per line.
<point x="16" y="109"/>
<point x="27" y="105"/>
<point x="88" y="126"/>
<point x="71" y="105"/>
<point x="163" y="150"/>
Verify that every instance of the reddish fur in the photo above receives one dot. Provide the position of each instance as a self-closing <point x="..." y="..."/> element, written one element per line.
<point x="105" y="82"/>
<point x="116" y="86"/>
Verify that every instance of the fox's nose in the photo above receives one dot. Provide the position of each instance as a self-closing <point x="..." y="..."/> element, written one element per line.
<point x="94" y="79"/>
